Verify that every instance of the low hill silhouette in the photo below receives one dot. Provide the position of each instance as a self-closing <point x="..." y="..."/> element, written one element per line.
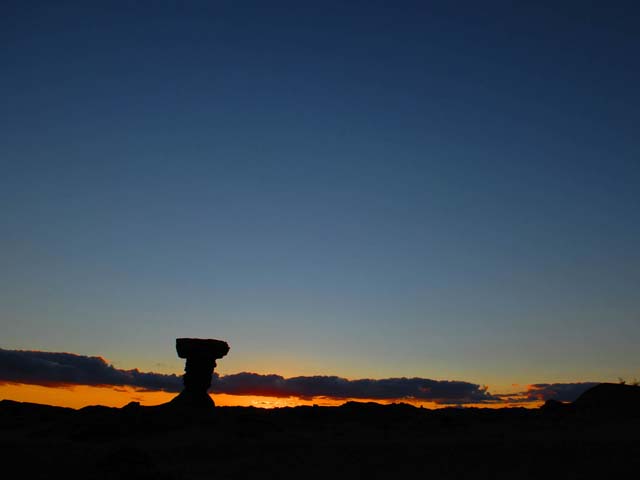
<point x="610" y="398"/>
<point x="354" y="440"/>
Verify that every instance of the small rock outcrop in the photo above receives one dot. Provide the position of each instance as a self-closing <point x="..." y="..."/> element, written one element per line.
<point x="554" y="407"/>
<point x="201" y="355"/>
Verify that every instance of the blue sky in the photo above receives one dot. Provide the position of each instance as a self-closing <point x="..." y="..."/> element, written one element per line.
<point x="352" y="188"/>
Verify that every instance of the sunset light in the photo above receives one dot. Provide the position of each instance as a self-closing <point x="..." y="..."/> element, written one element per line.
<point x="320" y="239"/>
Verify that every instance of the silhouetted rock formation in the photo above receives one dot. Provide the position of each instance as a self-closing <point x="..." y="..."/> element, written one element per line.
<point x="201" y="355"/>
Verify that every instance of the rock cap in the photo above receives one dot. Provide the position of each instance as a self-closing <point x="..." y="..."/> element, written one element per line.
<point x="201" y="347"/>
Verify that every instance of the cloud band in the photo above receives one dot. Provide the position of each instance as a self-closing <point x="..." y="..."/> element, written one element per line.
<point x="60" y="369"/>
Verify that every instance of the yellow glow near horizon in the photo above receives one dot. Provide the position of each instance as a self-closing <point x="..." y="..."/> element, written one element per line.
<point x="78" y="396"/>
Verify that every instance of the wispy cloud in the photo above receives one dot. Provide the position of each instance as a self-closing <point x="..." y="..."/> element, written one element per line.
<point x="540" y="392"/>
<point x="563" y="392"/>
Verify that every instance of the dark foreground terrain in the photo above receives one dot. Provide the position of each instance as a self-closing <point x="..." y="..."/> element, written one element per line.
<point x="598" y="438"/>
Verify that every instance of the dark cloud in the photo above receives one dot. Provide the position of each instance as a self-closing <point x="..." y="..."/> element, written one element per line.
<point x="56" y="369"/>
<point x="563" y="392"/>
<point x="440" y="391"/>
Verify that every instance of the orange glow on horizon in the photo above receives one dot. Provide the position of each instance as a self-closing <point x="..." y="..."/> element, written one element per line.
<point x="78" y="396"/>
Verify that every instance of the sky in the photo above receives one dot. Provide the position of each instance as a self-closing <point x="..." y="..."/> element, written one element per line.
<point x="367" y="190"/>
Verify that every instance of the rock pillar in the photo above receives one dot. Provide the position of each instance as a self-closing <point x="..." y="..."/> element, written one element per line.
<point x="201" y="355"/>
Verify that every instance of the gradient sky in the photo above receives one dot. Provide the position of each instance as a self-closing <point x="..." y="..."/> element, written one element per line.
<point x="367" y="189"/>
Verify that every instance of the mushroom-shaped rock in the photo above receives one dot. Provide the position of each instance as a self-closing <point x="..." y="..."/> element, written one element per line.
<point x="201" y="355"/>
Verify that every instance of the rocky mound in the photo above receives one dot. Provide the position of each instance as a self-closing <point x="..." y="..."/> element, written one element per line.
<point x="612" y="399"/>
